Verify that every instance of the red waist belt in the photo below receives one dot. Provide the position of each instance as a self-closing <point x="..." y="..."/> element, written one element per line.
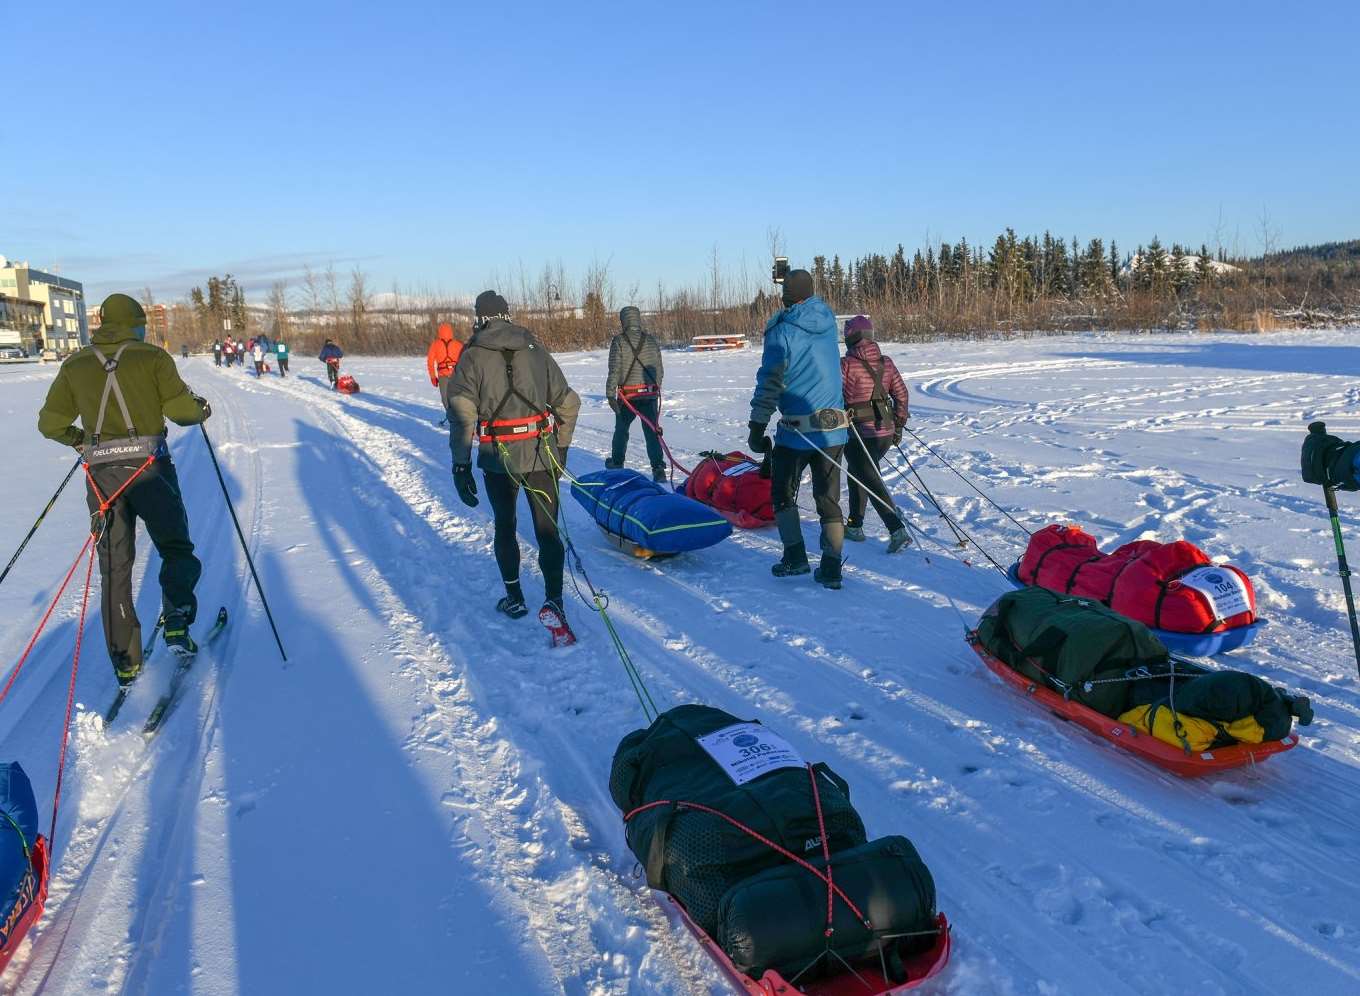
<point x="514" y="430"/>
<point x="639" y="391"/>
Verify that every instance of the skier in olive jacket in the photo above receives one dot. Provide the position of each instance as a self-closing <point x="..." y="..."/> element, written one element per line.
<point x="122" y="390"/>
<point x="800" y="376"/>
<point x="635" y="373"/>
<point x="510" y="397"/>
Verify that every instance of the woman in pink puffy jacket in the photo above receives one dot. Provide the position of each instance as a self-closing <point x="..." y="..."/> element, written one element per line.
<point x="876" y="398"/>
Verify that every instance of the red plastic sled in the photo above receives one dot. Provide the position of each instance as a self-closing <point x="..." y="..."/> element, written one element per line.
<point x="347" y="384"/>
<point x="29" y="909"/>
<point x="1132" y="739"/>
<point x="866" y="981"/>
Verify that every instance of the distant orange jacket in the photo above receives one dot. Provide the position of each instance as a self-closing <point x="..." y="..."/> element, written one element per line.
<point x="443" y="354"/>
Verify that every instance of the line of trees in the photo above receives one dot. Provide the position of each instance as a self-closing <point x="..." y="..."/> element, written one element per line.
<point x="1015" y="285"/>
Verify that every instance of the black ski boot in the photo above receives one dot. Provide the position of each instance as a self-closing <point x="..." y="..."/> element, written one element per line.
<point x="125" y="670"/>
<point x="177" y="637"/>
<point x="611" y="464"/>
<point x="828" y="573"/>
<point x="660" y="475"/>
<point x="794" y="562"/>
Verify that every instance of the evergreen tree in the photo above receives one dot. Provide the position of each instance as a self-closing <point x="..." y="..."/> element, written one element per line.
<point x="1114" y="264"/>
<point x="899" y="273"/>
<point x="1204" y="267"/>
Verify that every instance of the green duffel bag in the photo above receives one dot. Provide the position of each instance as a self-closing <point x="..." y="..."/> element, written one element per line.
<point x="777" y="919"/>
<point x="752" y="777"/>
<point x="1065" y="642"/>
<point x="1225" y="696"/>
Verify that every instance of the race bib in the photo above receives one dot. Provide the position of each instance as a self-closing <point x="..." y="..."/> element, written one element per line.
<point x="1225" y="590"/>
<point x="748" y="750"/>
<point x="741" y="468"/>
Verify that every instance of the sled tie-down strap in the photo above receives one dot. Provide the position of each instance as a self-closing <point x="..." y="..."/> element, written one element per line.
<point x="832" y="889"/>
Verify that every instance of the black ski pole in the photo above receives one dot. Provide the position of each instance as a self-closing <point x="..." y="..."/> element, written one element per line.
<point x="1345" y="570"/>
<point x="242" y="537"/>
<point x="50" y="502"/>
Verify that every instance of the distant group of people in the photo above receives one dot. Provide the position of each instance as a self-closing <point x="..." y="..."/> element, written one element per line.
<point x="258" y="350"/>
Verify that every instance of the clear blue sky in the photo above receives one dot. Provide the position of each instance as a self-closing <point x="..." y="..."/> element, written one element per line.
<point x="442" y="143"/>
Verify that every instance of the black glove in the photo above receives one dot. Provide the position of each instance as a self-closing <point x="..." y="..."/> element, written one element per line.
<point x="466" y="485"/>
<point x="757" y="438"/>
<point x="614" y="405"/>
<point x="897" y="436"/>
<point x="203" y="403"/>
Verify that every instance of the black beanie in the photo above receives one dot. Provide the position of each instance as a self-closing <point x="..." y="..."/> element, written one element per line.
<point x="630" y="318"/>
<point x="491" y="305"/>
<point x="798" y="286"/>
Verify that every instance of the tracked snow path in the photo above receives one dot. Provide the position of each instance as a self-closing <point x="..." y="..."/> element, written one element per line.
<point x="428" y="781"/>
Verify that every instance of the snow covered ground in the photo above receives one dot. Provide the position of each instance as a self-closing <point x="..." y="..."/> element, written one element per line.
<point x="417" y="801"/>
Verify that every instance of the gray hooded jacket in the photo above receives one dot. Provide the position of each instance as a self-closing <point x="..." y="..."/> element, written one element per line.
<point x="481" y="382"/>
<point x="634" y="358"/>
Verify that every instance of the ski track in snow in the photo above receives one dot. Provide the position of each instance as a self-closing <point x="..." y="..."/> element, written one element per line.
<point x="1064" y="865"/>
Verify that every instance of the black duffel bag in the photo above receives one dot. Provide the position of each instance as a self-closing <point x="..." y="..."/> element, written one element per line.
<point x="777" y="919"/>
<point x="697" y="856"/>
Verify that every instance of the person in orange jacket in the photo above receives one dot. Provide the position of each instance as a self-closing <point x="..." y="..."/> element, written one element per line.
<point x="441" y="359"/>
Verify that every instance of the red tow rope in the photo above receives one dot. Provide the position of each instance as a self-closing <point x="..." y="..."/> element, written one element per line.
<point x="659" y="435"/>
<point x="71" y="693"/>
<point x="87" y="553"/>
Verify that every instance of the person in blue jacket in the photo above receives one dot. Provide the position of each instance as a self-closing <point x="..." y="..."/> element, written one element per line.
<point x="800" y="376"/>
<point x="331" y="355"/>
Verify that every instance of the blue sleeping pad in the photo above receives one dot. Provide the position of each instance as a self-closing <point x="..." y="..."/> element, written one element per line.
<point x="628" y="505"/>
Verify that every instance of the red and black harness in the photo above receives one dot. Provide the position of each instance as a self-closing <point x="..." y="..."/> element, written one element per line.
<point x="495" y="430"/>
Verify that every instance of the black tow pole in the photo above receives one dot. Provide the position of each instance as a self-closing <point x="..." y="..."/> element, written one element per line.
<point x="242" y="537"/>
<point x="1344" y="569"/>
<point x="47" y="508"/>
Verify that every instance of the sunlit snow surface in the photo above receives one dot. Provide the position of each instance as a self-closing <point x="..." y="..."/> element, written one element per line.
<point x="417" y="802"/>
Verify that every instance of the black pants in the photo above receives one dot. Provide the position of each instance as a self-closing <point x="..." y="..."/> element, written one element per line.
<point x="283" y="366"/>
<point x="786" y="472"/>
<point x="259" y="368"/>
<point x="623" y="421"/>
<point x="865" y="467"/>
<point x="217" y="359"/>
<point x="332" y="373"/>
<point x="502" y="491"/>
<point x="154" y="497"/>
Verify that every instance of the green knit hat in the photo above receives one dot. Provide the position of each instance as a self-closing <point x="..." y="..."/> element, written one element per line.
<point x="121" y="313"/>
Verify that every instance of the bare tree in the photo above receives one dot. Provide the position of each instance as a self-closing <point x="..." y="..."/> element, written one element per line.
<point x="277" y="304"/>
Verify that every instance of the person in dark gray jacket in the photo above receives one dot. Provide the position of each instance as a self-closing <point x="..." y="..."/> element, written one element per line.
<point x="511" y="398"/>
<point x="634" y="379"/>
